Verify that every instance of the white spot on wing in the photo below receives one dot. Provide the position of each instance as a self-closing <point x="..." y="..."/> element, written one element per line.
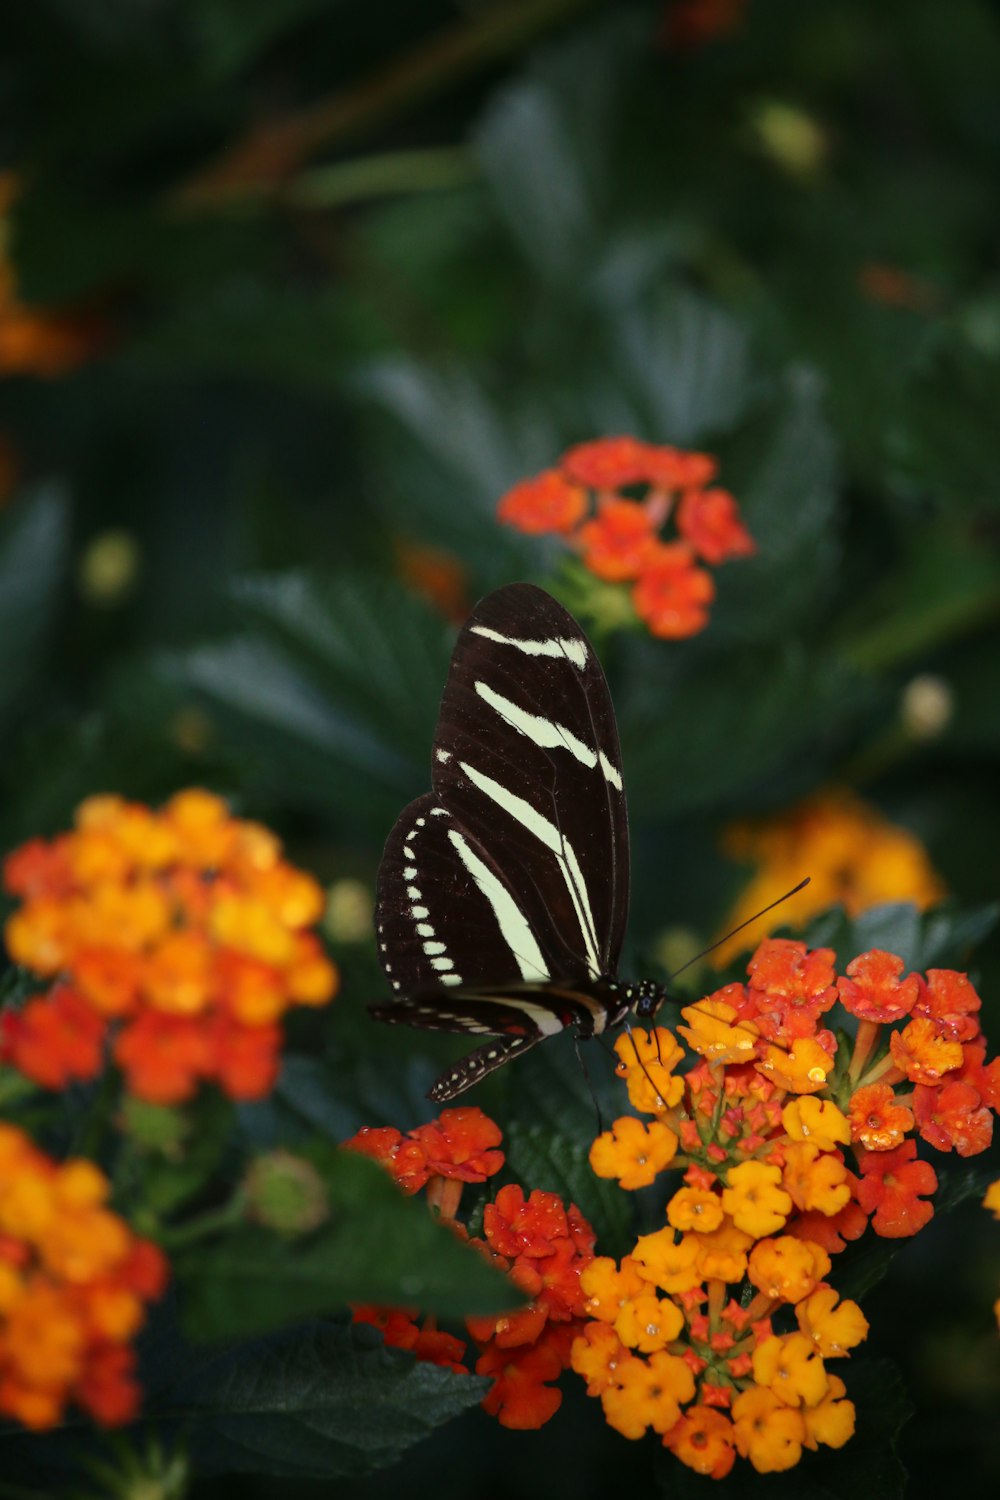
<point x="549" y="835"/>
<point x="418" y="912"/>
<point x="575" y="650"/>
<point x="444" y="755"/>
<point x="441" y="963"/>
<point x="413" y="892"/>
<point x="451" y="979"/>
<point x="513" y="924"/>
<point x="431" y="948"/>
<point x="544" y="732"/>
<point x="409" y="873"/>
<point x="611" y="772"/>
<point x="424" y="929"/>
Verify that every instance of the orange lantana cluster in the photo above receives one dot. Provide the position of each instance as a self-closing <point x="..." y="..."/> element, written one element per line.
<point x="541" y="1244"/>
<point x="178" y="938"/>
<point x="74" y="1282"/>
<point x="620" y="539"/>
<point x="760" y="1128"/>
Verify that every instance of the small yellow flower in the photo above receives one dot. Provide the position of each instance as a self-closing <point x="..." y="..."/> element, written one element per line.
<point x="648" y="1323"/>
<point x="787" y="1268"/>
<point x="769" y="1434"/>
<point x="832" y="1328"/>
<point x="755" y="1199"/>
<point x="668" y="1262"/>
<point x="695" y="1208"/>
<point x="816" y="1120"/>
<point x="792" y="1368"/>
<point x="721" y="1255"/>
<point x="816" y="1179"/>
<point x="831" y="1422"/>
<point x="801" y="1068"/>
<point x="633" y="1152"/>
<point x="711" y="1031"/>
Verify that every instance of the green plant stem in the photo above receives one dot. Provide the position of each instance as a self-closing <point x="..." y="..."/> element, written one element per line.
<point x="390" y="173"/>
<point x="269" y="156"/>
<point x="202" y="1228"/>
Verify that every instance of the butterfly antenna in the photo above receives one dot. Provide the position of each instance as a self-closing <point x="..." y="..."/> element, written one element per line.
<point x="586" y="1075"/>
<point x="738" y="928"/>
<point x="635" y="1049"/>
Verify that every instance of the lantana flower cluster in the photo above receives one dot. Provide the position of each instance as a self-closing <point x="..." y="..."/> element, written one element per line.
<point x="74" y="1284"/>
<point x="176" y="938"/>
<point x="588" y="500"/>
<point x="790" y="1141"/>
<point x="540" y="1243"/>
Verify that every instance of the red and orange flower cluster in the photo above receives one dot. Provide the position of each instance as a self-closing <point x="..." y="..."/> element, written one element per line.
<point x="760" y="1127"/>
<point x="177" y="937"/>
<point x="620" y="538"/>
<point x="542" y="1245"/>
<point x="74" y="1282"/>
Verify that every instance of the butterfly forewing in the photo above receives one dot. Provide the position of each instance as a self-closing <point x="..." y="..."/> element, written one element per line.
<point x="510" y="880"/>
<point x="526" y="756"/>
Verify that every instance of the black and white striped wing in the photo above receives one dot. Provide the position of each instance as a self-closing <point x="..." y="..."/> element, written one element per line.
<point x="511" y="877"/>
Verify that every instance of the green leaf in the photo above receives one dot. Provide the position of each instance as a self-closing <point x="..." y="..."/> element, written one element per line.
<point x="377" y="1246"/>
<point x="940" y="938"/>
<point x="866" y="1465"/>
<point x="323" y="1401"/>
<point x="701" y="730"/>
<point x="687" y="361"/>
<point x="784" y="473"/>
<point x="941" y="442"/>
<point x="34" y="541"/>
<point x="334" y="685"/>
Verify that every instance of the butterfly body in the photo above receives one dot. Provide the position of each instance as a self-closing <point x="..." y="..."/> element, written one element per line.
<point x="503" y="893"/>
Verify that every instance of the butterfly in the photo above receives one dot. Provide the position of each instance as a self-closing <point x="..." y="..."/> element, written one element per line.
<point x="502" y="896"/>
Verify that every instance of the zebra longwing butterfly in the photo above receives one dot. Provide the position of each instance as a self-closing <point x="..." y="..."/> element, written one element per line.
<point x="503" y="893"/>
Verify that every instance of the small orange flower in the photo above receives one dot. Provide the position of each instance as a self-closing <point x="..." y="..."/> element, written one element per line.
<point x="922" y="1053"/>
<point x="877" y="1121"/>
<point x="703" y="1441"/>
<point x="618" y="542"/>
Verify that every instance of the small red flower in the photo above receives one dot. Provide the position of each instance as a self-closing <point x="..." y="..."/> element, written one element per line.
<point x="544" y="504"/>
<point x="461" y="1144"/>
<point x="56" y="1038"/>
<point x="515" y="1226"/>
<point x="710" y="521"/>
<point x="522" y="1396"/>
<point x="949" y="999"/>
<point x="874" y="992"/>
<point x="953" y="1117"/>
<point x="607" y="463"/>
<point x="672" y="595"/>
<point x="893" y="1188"/>
<point x="618" y="542"/>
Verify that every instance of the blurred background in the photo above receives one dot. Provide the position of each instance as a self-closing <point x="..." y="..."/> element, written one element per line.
<point x="291" y="291"/>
